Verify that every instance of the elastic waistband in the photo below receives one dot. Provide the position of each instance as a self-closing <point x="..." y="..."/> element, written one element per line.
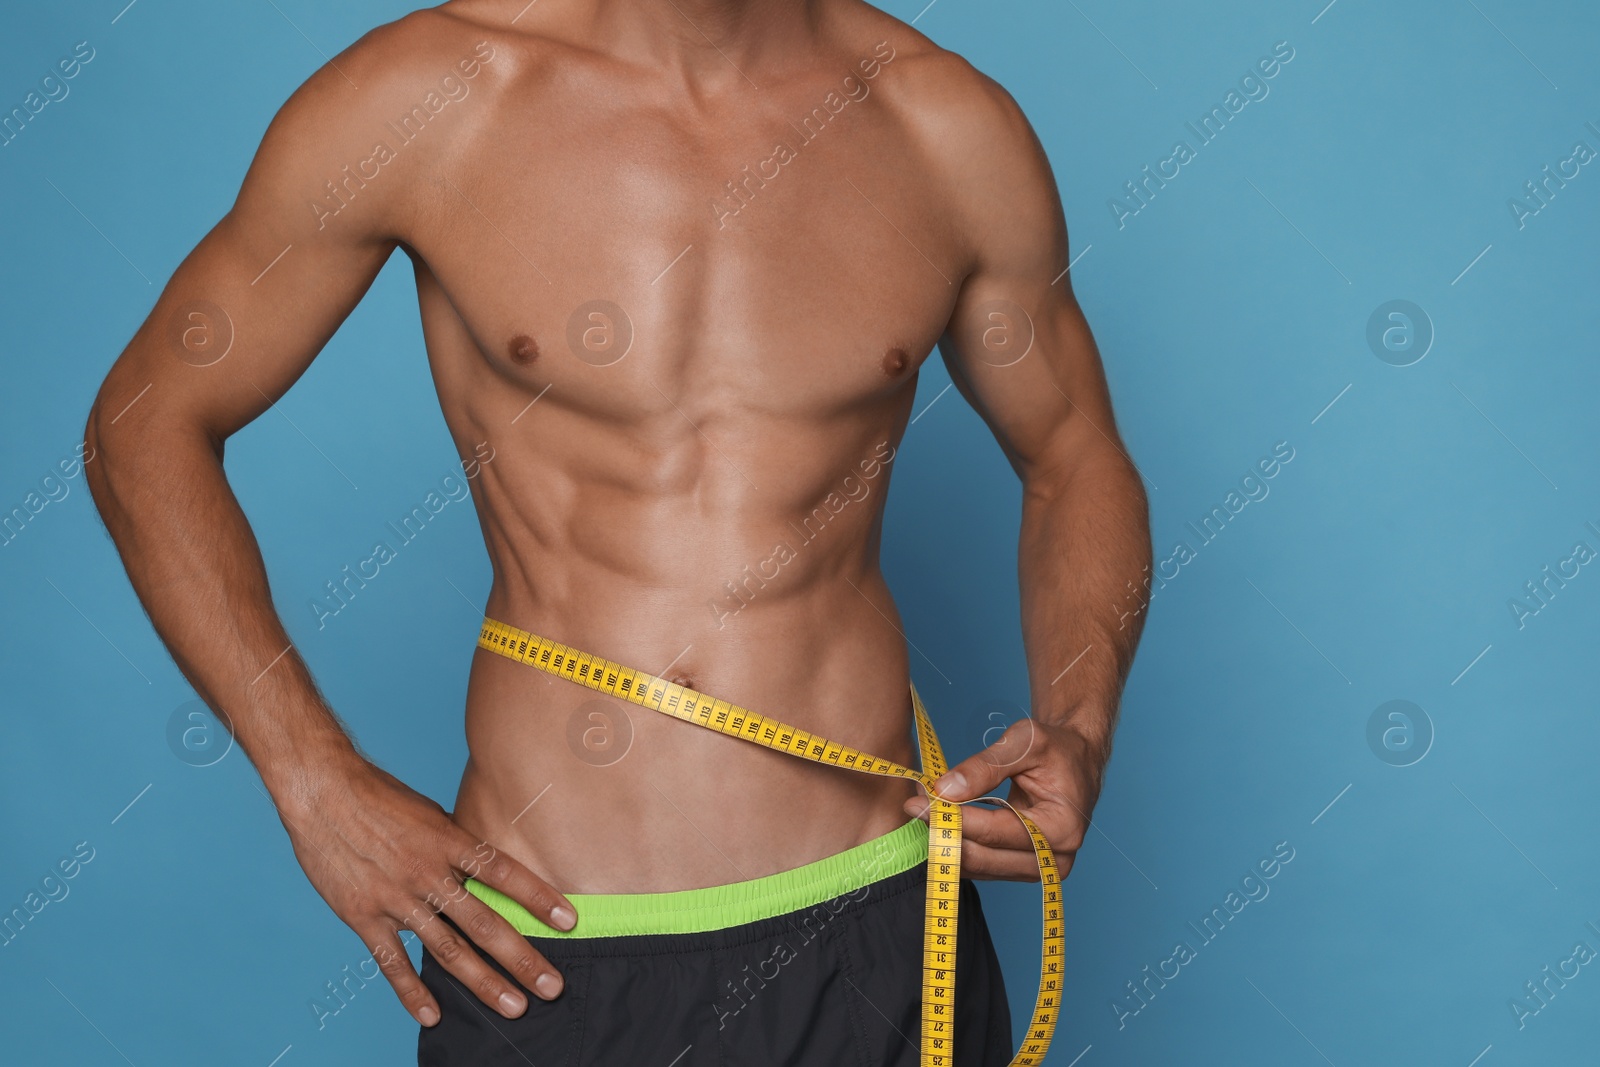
<point x="718" y="907"/>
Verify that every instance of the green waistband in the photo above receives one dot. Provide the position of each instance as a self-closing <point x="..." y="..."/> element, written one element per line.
<point x="720" y="906"/>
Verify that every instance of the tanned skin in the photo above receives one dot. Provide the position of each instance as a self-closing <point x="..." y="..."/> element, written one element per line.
<point x="774" y="350"/>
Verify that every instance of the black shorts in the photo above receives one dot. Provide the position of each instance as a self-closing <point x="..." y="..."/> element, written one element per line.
<point x="836" y="984"/>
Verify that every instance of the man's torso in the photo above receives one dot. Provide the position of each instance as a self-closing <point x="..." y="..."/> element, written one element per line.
<point x="686" y="326"/>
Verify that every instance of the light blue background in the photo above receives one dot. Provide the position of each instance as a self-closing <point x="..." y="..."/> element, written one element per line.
<point x="1231" y="311"/>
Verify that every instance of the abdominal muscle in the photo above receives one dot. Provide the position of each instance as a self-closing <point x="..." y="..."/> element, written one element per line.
<point x="599" y="795"/>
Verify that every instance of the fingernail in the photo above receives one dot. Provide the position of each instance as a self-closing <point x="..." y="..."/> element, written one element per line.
<point x="563" y="918"/>
<point x="511" y="1004"/>
<point x="951" y="785"/>
<point x="428" y="1016"/>
<point x="547" y="986"/>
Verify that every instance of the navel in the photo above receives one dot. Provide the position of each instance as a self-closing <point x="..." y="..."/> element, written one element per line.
<point x="895" y="361"/>
<point x="524" y="350"/>
<point x="682" y="679"/>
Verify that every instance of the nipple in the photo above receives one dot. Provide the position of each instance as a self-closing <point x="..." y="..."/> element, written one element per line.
<point x="524" y="350"/>
<point x="895" y="361"/>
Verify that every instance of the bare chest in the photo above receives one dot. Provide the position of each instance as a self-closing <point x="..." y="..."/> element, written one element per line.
<point x="785" y="256"/>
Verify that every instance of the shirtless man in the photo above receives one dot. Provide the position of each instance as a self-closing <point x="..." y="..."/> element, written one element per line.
<point x="679" y="263"/>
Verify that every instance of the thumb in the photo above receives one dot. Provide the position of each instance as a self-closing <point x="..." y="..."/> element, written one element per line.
<point x="979" y="773"/>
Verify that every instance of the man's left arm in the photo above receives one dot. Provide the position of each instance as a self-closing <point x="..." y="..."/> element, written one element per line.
<point x="1018" y="348"/>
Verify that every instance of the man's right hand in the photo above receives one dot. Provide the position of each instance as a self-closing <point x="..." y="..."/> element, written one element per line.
<point x="387" y="858"/>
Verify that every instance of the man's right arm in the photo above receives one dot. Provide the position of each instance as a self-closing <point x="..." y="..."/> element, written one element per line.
<point x="240" y="320"/>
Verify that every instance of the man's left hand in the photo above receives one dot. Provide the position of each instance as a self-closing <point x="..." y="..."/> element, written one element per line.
<point x="1055" y="774"/>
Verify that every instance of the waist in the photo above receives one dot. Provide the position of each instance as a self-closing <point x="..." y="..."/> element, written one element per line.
<point x="833" y="878"/>
<point x="833" y="658"/>
<point x="670" y="814"/>
<point x="604" y="769"/>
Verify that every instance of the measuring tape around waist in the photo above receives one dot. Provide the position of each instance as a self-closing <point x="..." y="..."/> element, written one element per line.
<point x="944" y="821"/>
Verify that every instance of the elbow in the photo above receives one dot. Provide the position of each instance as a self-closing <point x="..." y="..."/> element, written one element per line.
<point x="93" y="449"/>
<point x="1125" y="476"/>
<point x="1073" y="461"/>
<point x="111" y="445"/>
<point x="1098" y="475"/>
<point x="124" y="440"/>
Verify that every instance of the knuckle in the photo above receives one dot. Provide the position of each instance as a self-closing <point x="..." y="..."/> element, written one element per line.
<point x="1025" y="734"/>
<point x="495" y="867"/>
<point x="539" y="897"/>
<point x="393" y="964"/>
<point x="477" y="856"/>
<point x="448" y="950"/>
<point x="488" y="986"/>
<point x="482" y="924"/>
<point x="418" y="870"/>
<point x="413" y="995"/>
<point x="390" y="905"/>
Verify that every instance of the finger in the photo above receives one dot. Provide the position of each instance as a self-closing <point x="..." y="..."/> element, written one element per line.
<point x="489" y="930"/>
<point x="1014" y="746"/>
<point x="918" y="804"/>
<point x="1005" y="864"/>
<point x="1015" y="751"/>
<point x="389" y="953"/>
<point x="457" y="956"/>
<point x="995" y="827"/>
<point x="495" y="868"/>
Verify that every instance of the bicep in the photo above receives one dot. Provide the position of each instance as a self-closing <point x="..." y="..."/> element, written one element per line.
<point x="1023" y="356"/>
<point x="1017" y="344"/>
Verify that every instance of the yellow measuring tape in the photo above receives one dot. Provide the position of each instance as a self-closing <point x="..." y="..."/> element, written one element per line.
<point x="944" y="821"/>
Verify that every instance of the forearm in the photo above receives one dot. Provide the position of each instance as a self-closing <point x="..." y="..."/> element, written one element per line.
<point x="194" y="563"/>
<point x="1085" y="544"/>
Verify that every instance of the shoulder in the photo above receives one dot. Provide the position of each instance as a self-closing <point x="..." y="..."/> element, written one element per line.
<point x="977" y="146"/>
<point x="951" y="103"/>
<point x="398" y="60"/>
<point x="361" y="114"/>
